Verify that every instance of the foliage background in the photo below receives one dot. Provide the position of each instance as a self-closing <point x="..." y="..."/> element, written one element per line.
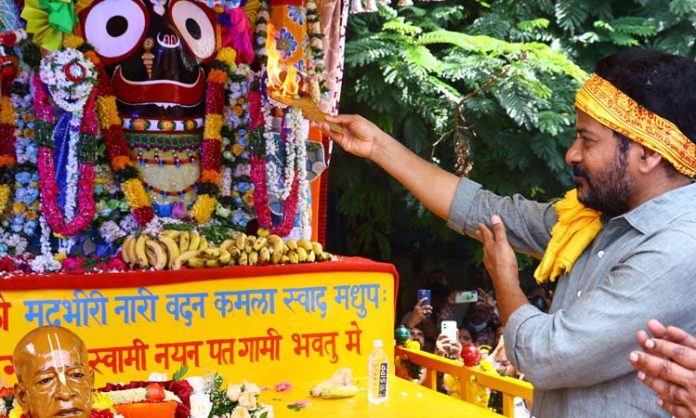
<point x="407" y="67"/>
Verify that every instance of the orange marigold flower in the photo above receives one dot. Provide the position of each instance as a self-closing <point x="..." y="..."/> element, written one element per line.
<point x="92" y="56"/>
<point x="120" y="162"/>
<point x="210" y="176"/>
<point x="6" y="160"/>
<point x="217" y="76"/>
<point x="7" y="114"/>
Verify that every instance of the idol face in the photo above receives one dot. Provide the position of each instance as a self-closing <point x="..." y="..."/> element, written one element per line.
<point x="153" y="53"/>
<point x="54" y="379"/>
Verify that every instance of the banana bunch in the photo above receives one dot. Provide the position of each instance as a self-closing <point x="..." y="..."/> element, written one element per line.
<point x="175" y="249"/>
<point x="170" y="249"/>
<point x="250" y="250"/>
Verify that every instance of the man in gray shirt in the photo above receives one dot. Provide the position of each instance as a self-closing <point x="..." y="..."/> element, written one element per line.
<point x="623" y="254"/>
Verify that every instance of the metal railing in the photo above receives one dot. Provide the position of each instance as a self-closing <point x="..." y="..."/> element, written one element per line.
<point x="508" y="386"/>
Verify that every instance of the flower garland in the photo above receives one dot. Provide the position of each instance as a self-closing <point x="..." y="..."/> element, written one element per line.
<point x="263" y="212"/>
<point x="8" y="158"/>
<point x="26" y="206"/>
<point x="67" y="75"/>
<point x="236" y="203"/>
<point x="316" y="68"/>
<point x="211" y="153"/>
<point x="116" y="148"/>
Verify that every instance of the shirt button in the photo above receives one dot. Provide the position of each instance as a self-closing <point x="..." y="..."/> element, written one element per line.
<point x="579" y="293"/>
<point x="600" y="254"/>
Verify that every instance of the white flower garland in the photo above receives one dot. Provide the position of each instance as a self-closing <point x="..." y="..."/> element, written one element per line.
<point x="136" y="395"/>
<point x="301" y="129"/>
<point x="69" y="76"/>
<point x="44" y="262"/>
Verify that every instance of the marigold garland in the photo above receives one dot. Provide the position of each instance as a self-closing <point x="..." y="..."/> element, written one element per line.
<point x="116" y="147"/>
<point x="8" y="156"/>
<point x="211" y="153"/>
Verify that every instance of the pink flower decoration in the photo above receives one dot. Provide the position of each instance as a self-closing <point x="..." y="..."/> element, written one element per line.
<point x="283" y="386"/>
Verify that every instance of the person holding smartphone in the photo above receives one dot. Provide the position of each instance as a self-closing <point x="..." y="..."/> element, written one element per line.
<point x="622" y="245"/>
<point x="428" y="317"/>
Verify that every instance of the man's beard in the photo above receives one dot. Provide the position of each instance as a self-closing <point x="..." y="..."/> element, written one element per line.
<point x="610" y="190"/>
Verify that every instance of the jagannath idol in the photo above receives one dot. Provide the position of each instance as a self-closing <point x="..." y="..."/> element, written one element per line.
<point x="138" y="113"/>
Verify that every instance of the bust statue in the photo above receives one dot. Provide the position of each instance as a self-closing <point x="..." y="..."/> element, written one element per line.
<point x="53" y="374"/>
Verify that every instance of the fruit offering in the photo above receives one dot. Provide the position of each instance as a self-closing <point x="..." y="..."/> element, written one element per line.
<point x="173" y="249"/>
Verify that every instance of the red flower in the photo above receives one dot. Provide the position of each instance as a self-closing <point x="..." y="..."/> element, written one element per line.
<point x="6" y="264"/>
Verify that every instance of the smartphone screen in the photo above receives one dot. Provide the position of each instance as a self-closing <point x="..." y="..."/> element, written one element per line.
<point x="467" y="296"/>
<point x="449" y="328"/>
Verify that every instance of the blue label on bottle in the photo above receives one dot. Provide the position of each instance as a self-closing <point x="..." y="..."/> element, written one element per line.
<point x="383" y="370"/>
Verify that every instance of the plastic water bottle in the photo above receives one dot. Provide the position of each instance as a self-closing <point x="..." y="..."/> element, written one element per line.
<point x="377" y="374"/>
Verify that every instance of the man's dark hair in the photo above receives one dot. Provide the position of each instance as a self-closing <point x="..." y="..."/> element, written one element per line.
<point x="663" y="83"/>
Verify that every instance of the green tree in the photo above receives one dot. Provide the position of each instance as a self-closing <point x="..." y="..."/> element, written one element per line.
<point x="513" y="66"/>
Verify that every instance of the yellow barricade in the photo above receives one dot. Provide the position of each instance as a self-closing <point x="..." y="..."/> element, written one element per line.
<point x="508" y="386"/>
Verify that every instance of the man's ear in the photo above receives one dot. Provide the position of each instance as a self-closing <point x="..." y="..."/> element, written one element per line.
<point x="649" y="160"/>
<point x="20" y="395"/>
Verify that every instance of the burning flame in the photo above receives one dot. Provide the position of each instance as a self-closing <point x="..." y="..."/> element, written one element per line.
<point x="282" y="79"/>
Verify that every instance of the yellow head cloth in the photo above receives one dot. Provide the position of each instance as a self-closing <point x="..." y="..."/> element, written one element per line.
<point x="577" y="226"/>
<point x="615" y="110"/>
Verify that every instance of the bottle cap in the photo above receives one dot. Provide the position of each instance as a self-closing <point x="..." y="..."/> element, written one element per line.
<point x="377" y="344"/>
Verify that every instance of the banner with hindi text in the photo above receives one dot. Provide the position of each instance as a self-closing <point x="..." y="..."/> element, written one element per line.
<point x="263" y="324"/>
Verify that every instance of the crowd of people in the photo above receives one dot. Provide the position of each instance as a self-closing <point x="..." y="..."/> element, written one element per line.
<point x="478" y="323"/>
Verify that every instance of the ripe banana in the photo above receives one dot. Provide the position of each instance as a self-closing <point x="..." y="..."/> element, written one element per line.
<point x="293" y="258"/>
<point x="212" y="263"/>
<point x="259" y="243"/>
<point x="317" y="248"/>
<point x="240" y="239"/>
<point x="140" y="250"/>
<point x="301" y="255"/>
<point x="183" y="257"/>
<point x="225" y="257"/>
<point x="276" y="243"/>
<point x="204" y="244"/>
<point x="264" y="255"/>
<point x="194" y="240"/>
<point x="303" y="243"/>
<point x="340" y="391"/>
<point x="171" y="233"/>
<point x="253" y="258"/>
<point x="184" y="239"/>
<point x="226" y="244"/>
<point x="211" y="253"/>
<point x="124" y="252"/>
<point x="160" y="255"/>
<point x="292" y="244"/>
<point x="311" y="257"/>
<point x="171" y="246"/>
<point x="249" y="243"/>
<point x="243" y="259"/>
<point x="196" y="262"/>
<point x="263" y="232"/>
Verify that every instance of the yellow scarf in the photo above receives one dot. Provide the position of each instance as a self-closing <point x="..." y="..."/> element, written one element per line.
<point x="577" y="226"/>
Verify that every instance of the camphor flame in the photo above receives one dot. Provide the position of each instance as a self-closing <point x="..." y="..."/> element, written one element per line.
<point x="282" y="79"/>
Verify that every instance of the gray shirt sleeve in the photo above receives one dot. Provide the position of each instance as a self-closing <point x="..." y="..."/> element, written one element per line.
<point x="528" y="223"/>
<point x="588" y="342"/>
